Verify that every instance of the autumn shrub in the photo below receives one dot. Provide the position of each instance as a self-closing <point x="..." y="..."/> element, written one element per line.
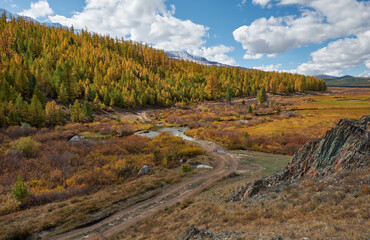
<point x="190" y="152"/>
<point x="27" y="146"/>
<point x="43" y="198"/>
<point x="15" y="132"/>
<point x="8" y="204"/>
<point x="186" y="168"/>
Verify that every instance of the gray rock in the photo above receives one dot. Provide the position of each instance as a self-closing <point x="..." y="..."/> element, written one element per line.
<point x="77" y="139"/>
<point x="221" y="151"/>
<point x="203" y="166"/>
<point x="145" y="169"/>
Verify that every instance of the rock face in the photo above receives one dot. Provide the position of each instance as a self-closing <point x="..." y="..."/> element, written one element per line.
<point x="346" y="146"/>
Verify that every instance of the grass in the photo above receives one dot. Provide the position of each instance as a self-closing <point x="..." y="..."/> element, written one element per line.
<point x="265" y="162"/>
<point x="75" y="184"/>
<point x="77" y="211"/>
<point x="281" y="128"/>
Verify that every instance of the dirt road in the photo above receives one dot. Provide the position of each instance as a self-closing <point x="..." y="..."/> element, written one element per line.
<point x="226" y="163"/>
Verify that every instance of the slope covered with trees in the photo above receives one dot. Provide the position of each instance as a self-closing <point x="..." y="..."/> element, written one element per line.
<point x="43" y="70"/>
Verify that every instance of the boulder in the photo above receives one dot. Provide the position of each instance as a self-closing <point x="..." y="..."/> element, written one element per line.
<point x="203" y="166"/>
<point x="77" y="139"/>
<point x="220" y="151"/>
<point x="145" y="169"/>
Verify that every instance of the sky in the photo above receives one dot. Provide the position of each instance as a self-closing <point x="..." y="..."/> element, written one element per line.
<point x="309" y="37"/>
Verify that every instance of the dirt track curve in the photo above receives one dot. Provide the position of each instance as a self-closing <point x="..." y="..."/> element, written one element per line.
<point x="226" y="163"/>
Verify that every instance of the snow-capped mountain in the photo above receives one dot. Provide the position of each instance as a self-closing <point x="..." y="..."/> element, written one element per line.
<point x="14" y="15"/>
<point x="184" y="55"/>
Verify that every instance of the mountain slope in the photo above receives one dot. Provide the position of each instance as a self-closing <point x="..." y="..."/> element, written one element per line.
<point x="39" y="63"/>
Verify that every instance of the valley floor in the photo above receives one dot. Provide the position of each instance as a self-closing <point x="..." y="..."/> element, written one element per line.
<point x="167" y="203"/>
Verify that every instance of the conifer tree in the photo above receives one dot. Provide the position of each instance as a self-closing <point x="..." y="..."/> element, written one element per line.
<point x="36" y="112"/>
<point x="63" y="96"/>
<point x="20" y="190"/>
<point x="2" y="117"/>
<point x="76" y="112"/>
<point x="87" y="113"/>
<point x="13" y="118"/>
<point x="53" y="113"/>
<point x="250" y="109"/>
<point x="229" y="95"/>
<point x="261" y="96"/>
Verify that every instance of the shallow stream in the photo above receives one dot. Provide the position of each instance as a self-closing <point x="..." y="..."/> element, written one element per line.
<point x="175" y="131"/>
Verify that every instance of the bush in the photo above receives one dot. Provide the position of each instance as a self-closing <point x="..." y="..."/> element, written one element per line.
<point x="20" y="190"/>
<point x="186" y="168"/>
<point x="8" y="205"/>
<point x="190" y="152"/>
<point x="27" y="146"/>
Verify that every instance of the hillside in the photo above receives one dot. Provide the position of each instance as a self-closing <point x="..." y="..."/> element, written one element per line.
<point x="40" y="64"/>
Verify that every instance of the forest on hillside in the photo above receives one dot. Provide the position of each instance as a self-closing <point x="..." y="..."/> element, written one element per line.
<point x="51" y="75"/>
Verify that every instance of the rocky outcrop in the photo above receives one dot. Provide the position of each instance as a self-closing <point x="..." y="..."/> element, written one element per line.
<point x="346" y="146"/>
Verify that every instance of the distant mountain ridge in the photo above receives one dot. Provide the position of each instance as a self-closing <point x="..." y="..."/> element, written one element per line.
<point x="184" y="55"/>
<point x="14" y="15"/>
<point x="346" y="80"/>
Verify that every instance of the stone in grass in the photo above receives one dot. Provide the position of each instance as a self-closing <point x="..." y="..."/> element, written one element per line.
<point x="203" y="166"/>
<point x="145" y="169"/>
<point x="76" y="139"/>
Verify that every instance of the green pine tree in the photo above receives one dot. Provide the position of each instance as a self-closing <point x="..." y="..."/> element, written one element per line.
<point x="20" y="190"/>
<point x="250" y="109"/>
<point x="36" y="113"/>
<point x="76" y="112"/>
<point x="63" y="96"/>
<point x="87" y="113"/>
<point x="261" y="96"/>
<point x="229" y="95"/>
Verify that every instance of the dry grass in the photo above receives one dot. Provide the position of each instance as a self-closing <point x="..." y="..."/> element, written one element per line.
<point x="74" y="184"/>
<point x="66" y="215"/>
<point x="281" y="128"/>
<point x="333" y="208"/>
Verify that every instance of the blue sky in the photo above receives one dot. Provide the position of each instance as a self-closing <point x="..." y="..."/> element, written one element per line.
<point x="304" y="36"/>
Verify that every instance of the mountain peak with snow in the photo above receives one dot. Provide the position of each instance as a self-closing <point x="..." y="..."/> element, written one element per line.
<point x="184" y="55"/>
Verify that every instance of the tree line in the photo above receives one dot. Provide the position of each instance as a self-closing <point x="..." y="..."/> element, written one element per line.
<point x="51" y="75"/>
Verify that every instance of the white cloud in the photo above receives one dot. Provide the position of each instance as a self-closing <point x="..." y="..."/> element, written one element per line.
<point x="216" y="53"/>
<point x="366" y="73"/>
<point x="320" y="20"/>
<point x="269" y="68"/>
<point x="38" y="9"/>
<point x="263" y="3"/>
<point x="341" y="54"/>
<point x="141" y="20"/>
<point x="252" y="56"/>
